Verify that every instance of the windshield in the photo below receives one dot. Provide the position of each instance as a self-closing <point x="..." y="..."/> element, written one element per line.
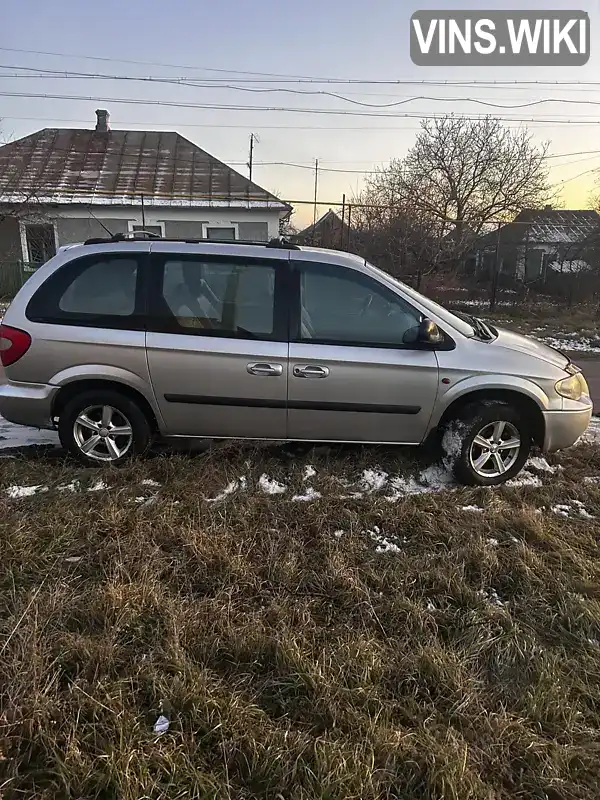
<point x="458" y="323"/>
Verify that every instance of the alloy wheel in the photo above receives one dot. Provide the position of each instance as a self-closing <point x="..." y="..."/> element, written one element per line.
<point x="495" y="449"/>
<point x="103" y="433"/>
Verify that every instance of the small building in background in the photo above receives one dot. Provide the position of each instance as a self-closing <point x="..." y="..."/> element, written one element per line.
<point x="541" y="244"/>
<point x="61" y="186"/>
<point x="328" y="231"/>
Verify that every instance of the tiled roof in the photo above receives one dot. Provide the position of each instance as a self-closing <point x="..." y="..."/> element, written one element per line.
<point x="117" y="167"/>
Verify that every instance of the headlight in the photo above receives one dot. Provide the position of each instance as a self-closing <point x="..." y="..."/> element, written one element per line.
<point x="573" y="387"/>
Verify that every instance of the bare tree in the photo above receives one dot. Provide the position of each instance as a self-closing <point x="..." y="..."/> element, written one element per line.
<point x="458" y="177"/>
<point x="473" y="171"/>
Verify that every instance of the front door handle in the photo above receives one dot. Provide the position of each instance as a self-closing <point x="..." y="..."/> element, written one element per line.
<point x="263" y="368"/>
<point x="310" y="371"/>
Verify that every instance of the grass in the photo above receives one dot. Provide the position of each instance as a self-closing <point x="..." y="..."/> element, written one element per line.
<point x="293" y="661"/>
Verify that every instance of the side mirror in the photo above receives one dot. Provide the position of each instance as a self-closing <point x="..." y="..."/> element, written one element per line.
<point x="427" y="332"/>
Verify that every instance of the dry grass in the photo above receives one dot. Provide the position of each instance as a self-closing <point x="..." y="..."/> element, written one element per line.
<point x="291" y="662"/>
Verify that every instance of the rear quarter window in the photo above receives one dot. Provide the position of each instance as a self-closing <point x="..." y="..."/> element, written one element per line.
<point x="96" y="291"/>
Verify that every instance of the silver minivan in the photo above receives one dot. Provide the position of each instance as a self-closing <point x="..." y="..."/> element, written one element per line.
<point x="117" y="341"/>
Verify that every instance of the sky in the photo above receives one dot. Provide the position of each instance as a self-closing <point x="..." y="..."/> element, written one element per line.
<point x="225" y="43"/>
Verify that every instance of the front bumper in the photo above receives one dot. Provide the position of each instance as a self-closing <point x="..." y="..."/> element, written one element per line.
<point x="563" y="428"/>
<point x="28" y="403"/>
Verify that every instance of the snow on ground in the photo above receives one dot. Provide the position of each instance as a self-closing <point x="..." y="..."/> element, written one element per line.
<point x="12" y="435"/>
<point x="581" y="345"/>
<point x="592" y="435"/>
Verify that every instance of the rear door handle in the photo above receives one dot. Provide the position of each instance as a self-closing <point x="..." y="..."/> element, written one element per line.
<point x="263" y="368"/>
<point x="310" y="371"/>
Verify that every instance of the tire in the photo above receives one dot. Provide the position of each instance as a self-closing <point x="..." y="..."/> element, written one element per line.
<point x="125" y="415"/>
<point x="483" y="422"/>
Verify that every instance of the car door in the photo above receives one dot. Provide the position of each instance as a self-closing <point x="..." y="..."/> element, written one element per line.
<point x="351" y="377"/>
<point x="217" y="344"/>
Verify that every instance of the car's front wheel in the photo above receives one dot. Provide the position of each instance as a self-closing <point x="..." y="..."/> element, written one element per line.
<point x="103" y="427"/>
<point x="487" y="445"/>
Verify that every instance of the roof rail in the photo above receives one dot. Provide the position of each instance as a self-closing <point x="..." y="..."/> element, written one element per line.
<point x="280" y="243"/>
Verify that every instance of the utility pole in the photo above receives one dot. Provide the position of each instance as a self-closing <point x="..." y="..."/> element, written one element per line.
<point x="342" y="225"/>
<point x="496" y="272"/>
<point x="315" y="206"/>
<point x="253" y="138"/>
<point x="143" y="215"/>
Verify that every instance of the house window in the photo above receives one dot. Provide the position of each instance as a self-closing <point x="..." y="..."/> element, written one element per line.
<point x="41" y="244"/>
<point x="227" y="232"/>
<point x="158" y="230"/>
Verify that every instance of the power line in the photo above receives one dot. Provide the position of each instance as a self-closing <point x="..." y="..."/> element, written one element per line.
<point x="320" y="92"/>
<point x="228" y="107"/>
<point x="295" y="127"/>
<point x="313" y="78"/>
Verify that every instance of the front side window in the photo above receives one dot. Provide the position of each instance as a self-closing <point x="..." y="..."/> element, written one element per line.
<point x="98" y="291"/>
<point x="218" y="298"/>
<point x="340" y="306"/>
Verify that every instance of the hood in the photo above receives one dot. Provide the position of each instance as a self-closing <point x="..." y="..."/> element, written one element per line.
<point x="514" y="341"/>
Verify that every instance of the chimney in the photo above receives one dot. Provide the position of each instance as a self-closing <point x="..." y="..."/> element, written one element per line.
<point x="102" y="124"/>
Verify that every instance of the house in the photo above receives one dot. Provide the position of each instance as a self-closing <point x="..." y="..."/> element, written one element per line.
<point x="328" y="231"/>
<point x="541" y="244"/>
<point x="60" y="186"/>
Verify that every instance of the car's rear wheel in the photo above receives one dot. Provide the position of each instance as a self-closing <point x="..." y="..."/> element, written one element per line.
<point x="487" y="445"/>
<point x="103" y="427"/>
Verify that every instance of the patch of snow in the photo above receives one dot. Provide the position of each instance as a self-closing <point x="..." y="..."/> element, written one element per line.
<point x="491" y="595"/>
<point x="452" y="441"/>
<point x="403" y="487"/>
<point x="583" y="344"/>
<point x="476" y="509"/>
<point x="492" y="542"/>
<point x="98" y="486"/>
<point x="270" y="485"/>
<point x="582" y="510"/>
<point x="384" y="545"/>
<point x="150" y="482"/>
<point x="310" y="494"/>
<point x="74" y="486"/>
<point x="73" y="559"/>
<point x="17" y="492"/>
<point x="309" y="472"/>
<point x="12" y="435"/>
<point x="592" y="434"/>
<point x="540" y="463"/>
<point x="594" y="642"/>
<point x="592" y="479"/>
<point x="161" y="725"/>
<point x="561" y="510"/>
<point x="524" y="478"/>
<point x="231" y="487"/>
<point x="338" y="534"/>
<point x="436" y="478"/>
<point x="373" y="480"/>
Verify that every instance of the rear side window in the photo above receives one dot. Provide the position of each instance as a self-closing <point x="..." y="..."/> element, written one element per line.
<point x="96" y="291"/>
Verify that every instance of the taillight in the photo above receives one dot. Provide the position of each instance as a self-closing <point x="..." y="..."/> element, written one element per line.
<point x="14" y="343"/>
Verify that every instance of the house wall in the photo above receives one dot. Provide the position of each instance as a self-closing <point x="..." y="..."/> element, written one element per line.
<point x="10" y="240"/>
<point x="250" y="231"/>
<point x="70" y="231"/>
<point x="257" y="224"/>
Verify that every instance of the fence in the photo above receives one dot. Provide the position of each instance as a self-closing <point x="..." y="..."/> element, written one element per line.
<point x="13" y="275"/>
